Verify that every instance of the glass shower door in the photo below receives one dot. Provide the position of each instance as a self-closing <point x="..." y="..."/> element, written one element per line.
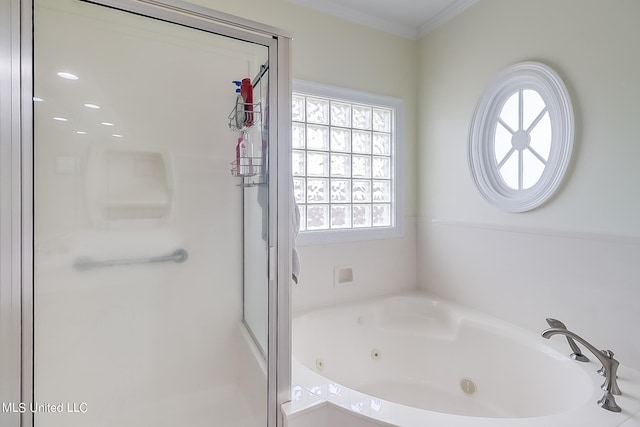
<point x="256" y="225"/>
<point x="138" y="251"/>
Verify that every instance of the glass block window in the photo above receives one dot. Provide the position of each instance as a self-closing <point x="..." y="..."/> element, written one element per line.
<point x="344" y="170"/>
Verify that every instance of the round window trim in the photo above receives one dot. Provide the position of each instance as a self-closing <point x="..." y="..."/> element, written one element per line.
<point x="482" y="136"/>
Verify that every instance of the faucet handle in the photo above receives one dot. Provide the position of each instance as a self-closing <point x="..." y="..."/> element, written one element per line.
<point x="611" y="378"/>
<point x="609" y="354"/>
<point x="608" y="402"/>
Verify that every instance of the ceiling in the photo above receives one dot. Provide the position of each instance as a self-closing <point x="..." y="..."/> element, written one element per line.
<point x="406" y="18"/>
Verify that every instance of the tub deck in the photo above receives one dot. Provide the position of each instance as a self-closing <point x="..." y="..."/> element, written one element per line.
<point x="413" y="361"/>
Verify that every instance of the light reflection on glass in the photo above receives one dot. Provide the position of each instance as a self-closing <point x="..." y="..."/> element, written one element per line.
<point x="357" y="407"/>
<point x="296" y="393"/>
<point x="317" y="390"/>
<point x="335" y="389"/>
<point x="67" y="76"/>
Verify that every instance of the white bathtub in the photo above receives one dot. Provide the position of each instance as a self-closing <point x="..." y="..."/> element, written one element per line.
<point x="410" y="360"/>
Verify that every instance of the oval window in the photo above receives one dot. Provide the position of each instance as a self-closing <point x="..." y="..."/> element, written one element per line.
<point x="521" y="137"/>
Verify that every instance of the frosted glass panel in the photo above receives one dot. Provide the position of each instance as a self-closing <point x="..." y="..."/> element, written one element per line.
<point x="317" y="137"/>
<point x="382" y="120"/>
<point x="341" y="165"/>
<point x="361" y="215"/>
<point x="382" y="215"/>
<point x="340" y="114"/>
<point x="317" y="217"/>
<point x="361" y="117"/>
<point x="340" y="216"/>
<point x="298" y="164"/>
<point x="361" y="142"/>
<point x="298" y="108"/>
<point x="317" y="190"/>
<point x="340" y="190"/>
<point x="303" y="217"/>
<point x="382" y="191"/>
<point x="361" y="166"/>
<point x="340" y="140"/>
<point x="298" y="135"/>
<point x="382" y="167"/>
<point x="382" y="144"/>
<point x="361" y="191"/>
<point x="299" y="190"/>
<point x="139" y="169"/>
<point x="318" y="111"/>
<point x="317" y="163"/>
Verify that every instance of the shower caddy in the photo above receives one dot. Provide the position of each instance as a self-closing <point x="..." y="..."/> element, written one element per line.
<point x="244" y="117"/>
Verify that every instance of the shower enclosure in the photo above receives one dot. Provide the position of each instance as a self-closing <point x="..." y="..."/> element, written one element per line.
<point x="149" y="276"/>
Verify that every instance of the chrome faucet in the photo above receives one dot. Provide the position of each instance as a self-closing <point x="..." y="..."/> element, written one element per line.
<point x="577" y="354"/>
<point x="609" y="364"/>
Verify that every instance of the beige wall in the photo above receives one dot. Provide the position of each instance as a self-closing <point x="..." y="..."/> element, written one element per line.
<point x="575" y="257"/>
<point x="333" y="51"/>
<point x="336" y="52"/>
<point x="593" y="46"/>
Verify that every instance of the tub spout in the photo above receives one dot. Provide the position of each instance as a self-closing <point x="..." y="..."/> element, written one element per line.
<point x="609" y="364"/>
<point x="577" y="354"/>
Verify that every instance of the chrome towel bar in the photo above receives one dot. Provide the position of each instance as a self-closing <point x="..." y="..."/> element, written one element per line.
<point x="86" y="263"/>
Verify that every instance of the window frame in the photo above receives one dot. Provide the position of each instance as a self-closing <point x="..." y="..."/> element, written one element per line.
<point x="521" y="76"/>
<point x="313" y="237"/>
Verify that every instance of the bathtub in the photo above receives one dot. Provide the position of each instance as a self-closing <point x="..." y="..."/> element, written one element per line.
<point x="415" y="361"/>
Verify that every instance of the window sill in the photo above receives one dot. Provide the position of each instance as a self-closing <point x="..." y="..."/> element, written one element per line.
<point x="323" y="237"/>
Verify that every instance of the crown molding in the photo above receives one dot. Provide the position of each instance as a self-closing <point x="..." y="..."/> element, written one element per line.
<point x="386" y="25"/>
<point x="359" y="17"/>
<point x="442" y="17"/>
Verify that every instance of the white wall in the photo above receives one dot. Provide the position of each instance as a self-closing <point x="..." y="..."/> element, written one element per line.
<point x="379" y="267"/>
<point x="336" y="52"/>
<point x="574" y="258"/>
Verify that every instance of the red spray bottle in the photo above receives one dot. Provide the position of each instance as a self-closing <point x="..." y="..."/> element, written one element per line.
<point x="246" y="91"/>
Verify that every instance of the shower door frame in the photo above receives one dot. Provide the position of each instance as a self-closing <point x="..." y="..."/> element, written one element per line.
<point x="17" y="190"/>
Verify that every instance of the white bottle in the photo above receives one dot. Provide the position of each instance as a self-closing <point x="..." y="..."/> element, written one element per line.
<point x="249" y="154"/>
<point x="241" y="157"/>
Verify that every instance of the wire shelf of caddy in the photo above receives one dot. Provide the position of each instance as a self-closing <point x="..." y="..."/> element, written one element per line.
<point x="250" y="169"/>
<point x="244" y="116"/>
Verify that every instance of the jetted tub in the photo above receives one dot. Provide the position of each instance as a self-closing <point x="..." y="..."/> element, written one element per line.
<point x="411" y="360"/>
